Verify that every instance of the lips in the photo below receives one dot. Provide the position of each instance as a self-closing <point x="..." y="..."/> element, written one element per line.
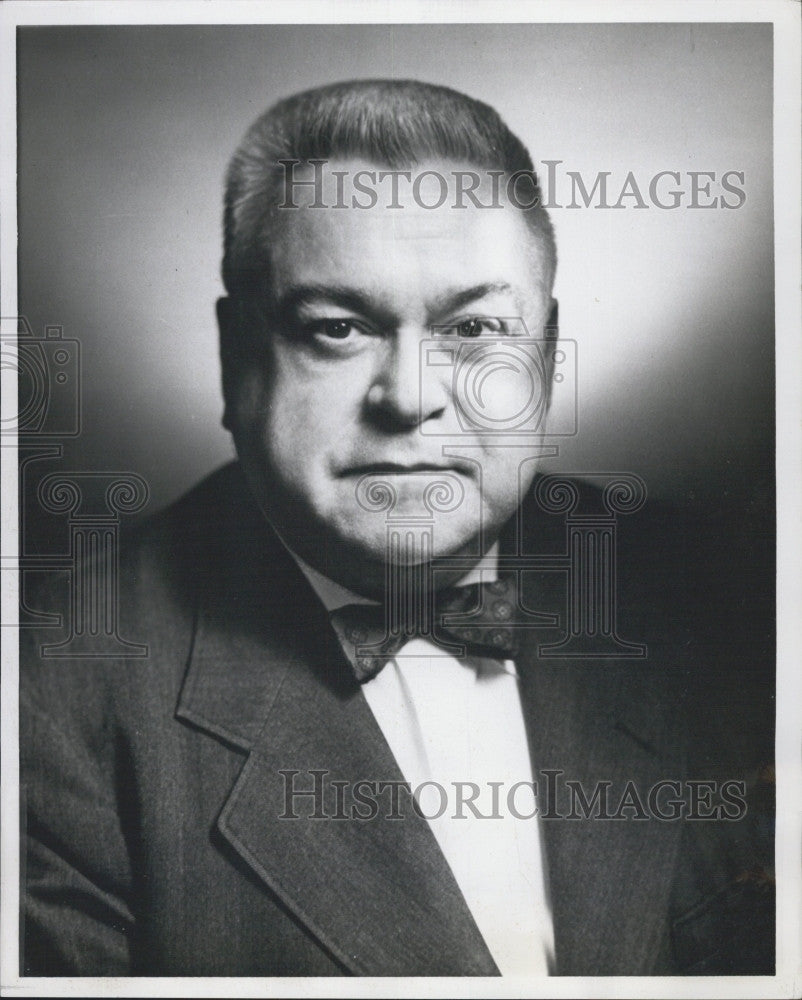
<point x="380" y="468"/>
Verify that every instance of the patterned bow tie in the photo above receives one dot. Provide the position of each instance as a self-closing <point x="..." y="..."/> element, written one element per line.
<point x="472" y="620"/>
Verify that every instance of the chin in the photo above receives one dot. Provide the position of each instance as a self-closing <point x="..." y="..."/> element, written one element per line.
<point x="410" y="544"/>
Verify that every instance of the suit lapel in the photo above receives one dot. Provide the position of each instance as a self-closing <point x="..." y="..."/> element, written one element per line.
<point x="593" y="721"/>
<point x="267" y="676"/>
<point x="376" y="892"/>
<point x="610" y="879"/>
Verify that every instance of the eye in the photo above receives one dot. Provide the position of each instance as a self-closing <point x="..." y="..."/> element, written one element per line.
<point x="478" y="326"/>
<point x="333" y="336"/>
<point x="336" y="329"/>
<point x="334" y="333"/>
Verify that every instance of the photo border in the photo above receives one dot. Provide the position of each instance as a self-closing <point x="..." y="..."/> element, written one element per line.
<point x="785" y="16"/>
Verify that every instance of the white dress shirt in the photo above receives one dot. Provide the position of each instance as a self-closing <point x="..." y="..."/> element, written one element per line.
<point x="450" y="720"/>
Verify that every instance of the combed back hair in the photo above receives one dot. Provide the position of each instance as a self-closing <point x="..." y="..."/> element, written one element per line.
<point x="392" y="123"/>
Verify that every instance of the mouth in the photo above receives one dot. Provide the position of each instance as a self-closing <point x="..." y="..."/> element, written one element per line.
<point x="402" y="469"/>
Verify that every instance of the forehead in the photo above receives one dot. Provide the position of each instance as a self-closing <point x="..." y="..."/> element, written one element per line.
<point x="393" y="238"/>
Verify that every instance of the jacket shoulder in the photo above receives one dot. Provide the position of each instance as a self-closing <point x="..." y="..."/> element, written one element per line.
<point x="126" y="612"/>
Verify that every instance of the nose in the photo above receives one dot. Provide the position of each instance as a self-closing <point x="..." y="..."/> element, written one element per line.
<point x="406" y="392"/>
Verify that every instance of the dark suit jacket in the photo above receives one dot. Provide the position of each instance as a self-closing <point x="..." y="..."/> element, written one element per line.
<point x="154" y="795"/>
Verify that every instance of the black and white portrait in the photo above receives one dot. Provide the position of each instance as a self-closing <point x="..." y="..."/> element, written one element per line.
<point x="394" y="459"/>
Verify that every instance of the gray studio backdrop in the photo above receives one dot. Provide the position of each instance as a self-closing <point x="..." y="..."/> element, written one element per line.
<point x="125" y="132"/>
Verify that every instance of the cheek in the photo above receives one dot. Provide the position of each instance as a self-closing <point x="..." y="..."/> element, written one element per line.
<point x="503" y="388"/>
<point x="289" y="420"/>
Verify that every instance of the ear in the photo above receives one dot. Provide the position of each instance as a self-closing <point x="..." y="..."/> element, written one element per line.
<point x="551" y="334"/>
<point x="551" y="328"/>
<point x="228" y="326"/>
<point x="225" y="322"/>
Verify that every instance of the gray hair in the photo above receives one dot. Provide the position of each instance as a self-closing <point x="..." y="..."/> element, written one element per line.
<point x="394" y="123"/>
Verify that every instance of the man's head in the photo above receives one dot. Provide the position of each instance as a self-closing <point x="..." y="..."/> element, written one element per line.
<point x="385" y="258"/>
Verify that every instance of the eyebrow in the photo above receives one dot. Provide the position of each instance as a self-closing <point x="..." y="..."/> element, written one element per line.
<point x="350" y="298"/>
<point x="456" y="299"/>
<point x="339" y="295"/>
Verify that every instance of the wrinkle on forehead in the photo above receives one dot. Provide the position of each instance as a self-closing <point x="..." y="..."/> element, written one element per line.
<point x="407" y="253"/>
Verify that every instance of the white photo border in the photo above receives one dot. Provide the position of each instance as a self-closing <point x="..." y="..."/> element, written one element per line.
<point x="785" y="16"/>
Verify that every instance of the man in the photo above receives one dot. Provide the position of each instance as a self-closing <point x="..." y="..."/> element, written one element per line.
<point x="374" y="599"/>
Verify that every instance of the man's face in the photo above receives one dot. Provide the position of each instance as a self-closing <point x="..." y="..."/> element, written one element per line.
<point x="348" y="416"/>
